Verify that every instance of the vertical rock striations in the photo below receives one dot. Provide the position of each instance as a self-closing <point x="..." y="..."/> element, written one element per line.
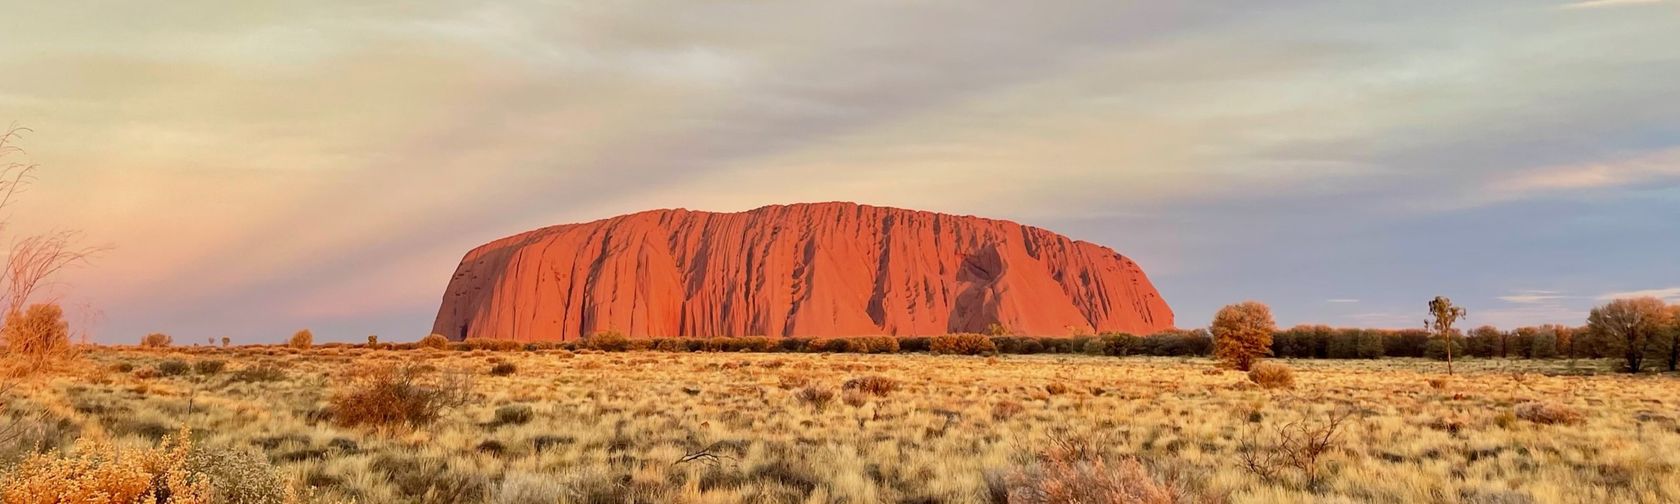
<point x="807" y="270"/>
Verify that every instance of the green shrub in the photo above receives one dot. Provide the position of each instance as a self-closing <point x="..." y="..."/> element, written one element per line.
<point x="173" y="367"/>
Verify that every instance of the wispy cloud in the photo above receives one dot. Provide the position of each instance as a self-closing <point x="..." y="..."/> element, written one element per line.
<point x="1600" y="4"/>
<point x="1650" y="167"/>
<point x="1534" y="297"/>
<point x="1669" y="294"/>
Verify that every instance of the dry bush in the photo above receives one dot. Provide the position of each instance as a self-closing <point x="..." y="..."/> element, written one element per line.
<point x="262" y="372"/>
<point x="102" y="472"/>
<point x="1056" y="388"/>
<point x="36" y="336"/>
<point x="793" y="381"/>
<point x="1073" y="470"/>
<point x="503" y="369"/>
<point x="434" y="342"/>
<point x="391" y="395"/>
<point x="854" y="398"/>
<point x="1439" y="383"/>
<point x="156" y="340"/>
<point x="209" y="367"/>
<point x="607" y="341"/>
<point x="1300" y="445"/>
<point x="302" y="340"/>
<point x="1007" y="409"/>
<point x="1549" y="413"/>
<point x="962" y="344"/>
<point x="878" y="386"/>
<point x="816" y="396"/>
<point x="1272" y="375"/>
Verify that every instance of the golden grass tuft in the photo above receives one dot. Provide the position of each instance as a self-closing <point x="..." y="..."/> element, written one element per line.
<point x="1272" y="375"/>
<point x="1548" y="413"/>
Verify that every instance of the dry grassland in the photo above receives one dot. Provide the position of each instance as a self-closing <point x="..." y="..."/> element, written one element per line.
<point x="722" y="428"/>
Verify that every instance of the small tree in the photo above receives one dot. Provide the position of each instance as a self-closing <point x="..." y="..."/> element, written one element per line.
<point x="1445" y="315"/>
<point x="226" y="341"/>
<point x="156" y="340"/>
<point x="1242" y="334"/>
<point x="302" y="340"/>
<point x="1630" y="326"/>
<point x="373" y="341"/>
<point x="1674" y="338"/>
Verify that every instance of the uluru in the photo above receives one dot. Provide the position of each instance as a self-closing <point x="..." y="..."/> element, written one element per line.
<point x="801" y="270"/>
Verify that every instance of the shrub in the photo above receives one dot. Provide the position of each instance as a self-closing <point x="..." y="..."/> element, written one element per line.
<point x="879" y="386"/>
<point x="1055" y="388"/>
<point x="395" y="395"/>
<point x="434" y="342"/>
<point x="226" y="341"/>
<point x="1548" y="413"/>
<point x="1242" y="334"/>
<point x="793" y="381"/>
<point x="854" y="398"/>
<point x="1115" y="344"/>
<point x="38" y="334"/>
<point x="1272" y="375"/>
<point x="238" y="476"/>
<point x="1073" y="471"/>
<point x="209" y="367"/>
<point x="302" y="340"/>
<point x="914" y="344"/>
<point x="878" y="344"/>
<point x="607" y="341"/>
<point x="503" y="369"/>
<point x="156" y="340"/>
<point x="373" y="341"/>
<point x="264" y="372"/>
<point x="962" y="344"/>
<point x="173" y="367"/>
<point x="516" y="414"/>
<point x="492" y="345"/>
<point x="1007" y="409"/>
<point x="1176" y="343"/>
<point x="100" y="471"/>
<point x="815" y="396"/>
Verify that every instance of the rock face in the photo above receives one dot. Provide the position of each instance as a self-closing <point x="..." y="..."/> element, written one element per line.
<point x="806" y="270"/>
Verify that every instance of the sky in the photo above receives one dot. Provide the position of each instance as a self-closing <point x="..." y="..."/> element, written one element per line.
<point x="261" y="167"/>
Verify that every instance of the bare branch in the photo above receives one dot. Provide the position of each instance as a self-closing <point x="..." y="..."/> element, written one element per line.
<point x="34" y="259"/>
